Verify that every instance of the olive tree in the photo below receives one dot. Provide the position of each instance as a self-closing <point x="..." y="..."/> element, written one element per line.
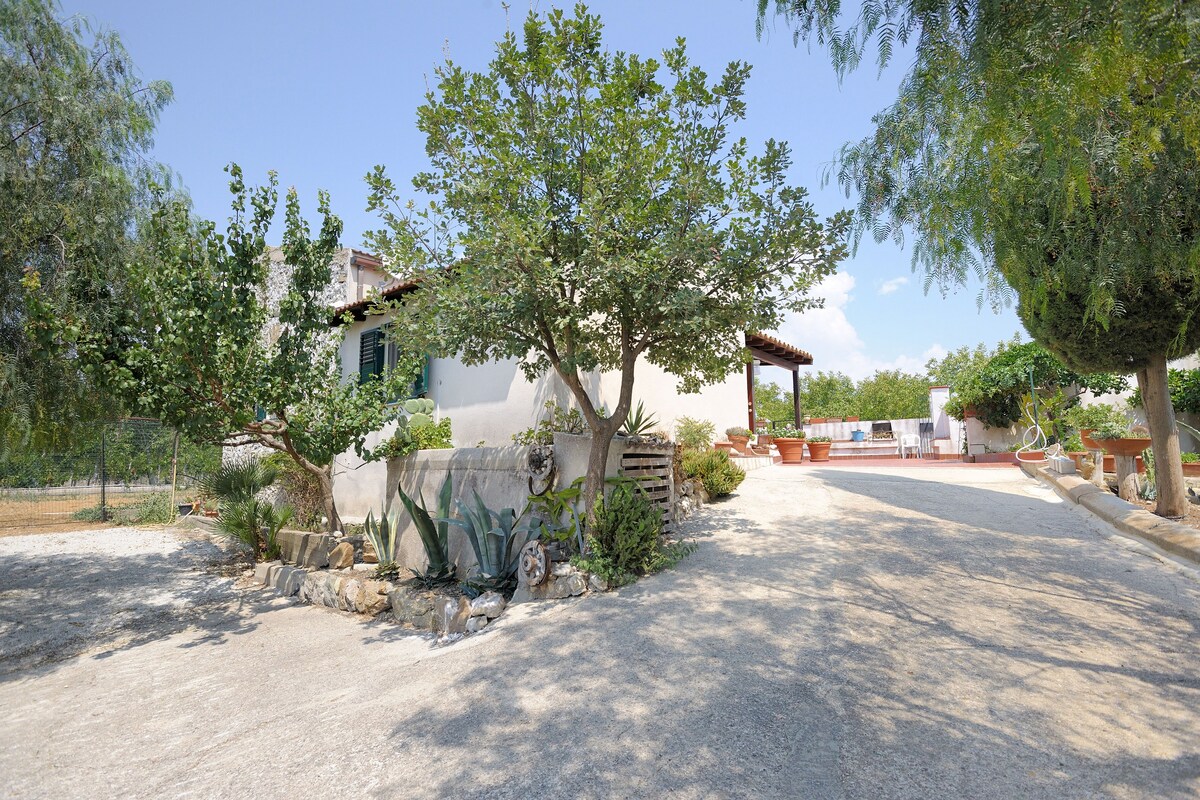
<point x="202" y="346"/>
<point x="590" y="209"/>
<point x="1048" y="148"/>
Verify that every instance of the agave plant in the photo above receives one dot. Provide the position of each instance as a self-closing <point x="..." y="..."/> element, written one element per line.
<point x="497" y="543"/>
<point x="434" y="534"/>
<point x="384" y="536"/>
<point x="638" y="422"/>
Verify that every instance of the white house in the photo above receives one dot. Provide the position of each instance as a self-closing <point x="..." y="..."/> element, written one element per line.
<point x="489" y="403"/>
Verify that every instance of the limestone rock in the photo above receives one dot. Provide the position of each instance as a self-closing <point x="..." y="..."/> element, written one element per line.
<point x="342" y="556"/>
<point x="369" y="554"/>
<point x="476" y="624"/>
<point x="450" y="615"/>
<point x="562" y="569"/>
<point x="597" y="584"/>
<point x="488" y="604"/>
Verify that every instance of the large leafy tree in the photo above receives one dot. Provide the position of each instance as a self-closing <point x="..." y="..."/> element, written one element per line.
<point x="827" y="394"/>
<point x="204" y="346"/>
<point x="892" y="394"/>
<point x="1051" y="148"/>
<point x="75" y="126"/>
<point x="592" y="209"/>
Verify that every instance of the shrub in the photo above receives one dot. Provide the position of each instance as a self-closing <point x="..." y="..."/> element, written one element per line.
<point x="714" y="470"/>
<point x="254" y="525"/>
<point x="384" y="537"/>
<point x="1073" y="444"/>
<point x="738" y="431"/>
<point x="1189" y="458"/>
<point x="151" y="509"/>
<point x="556" y="420"/>
<point x="624" y="537"/>
<point x="1093" y="416"/>
<point x="301" y="490"/>
<point x="819" y="439"/>
<point x="695" y="434"/>
<point x="437" y="436"/>
<point x="1112" y="430"/>
<point x="787" y="432"/>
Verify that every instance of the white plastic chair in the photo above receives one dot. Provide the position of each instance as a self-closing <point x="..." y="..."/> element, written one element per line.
<point x="911" y="441"/>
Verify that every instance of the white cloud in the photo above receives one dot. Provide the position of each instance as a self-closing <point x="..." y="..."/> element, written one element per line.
<point x="836" y="346"/>
<point x="887" y="287"/>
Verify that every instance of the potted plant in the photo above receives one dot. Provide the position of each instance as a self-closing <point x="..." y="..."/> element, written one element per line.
<point x="818" y="448"/>
<point x="724" y="445"/>
<point x="1117" y="440"/>
<point x="740" y="438"/>
<point x="790" y="442"/>
<point x="1191" y="464"/>
<point x="1086" y="419"/>
<point x="764" y="437"/>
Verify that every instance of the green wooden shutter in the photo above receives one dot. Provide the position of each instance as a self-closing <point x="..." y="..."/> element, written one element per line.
<point x="420" y="386"/>
<point x="370" y="355"/>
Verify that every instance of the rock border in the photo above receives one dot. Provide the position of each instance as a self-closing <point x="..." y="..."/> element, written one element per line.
<point x="1173" y="538"/>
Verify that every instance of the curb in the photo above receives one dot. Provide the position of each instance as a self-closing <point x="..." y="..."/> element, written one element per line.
<point x="1175" y="539"/>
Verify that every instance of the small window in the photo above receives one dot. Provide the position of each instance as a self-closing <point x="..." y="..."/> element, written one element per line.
<point x="375" y="354"/>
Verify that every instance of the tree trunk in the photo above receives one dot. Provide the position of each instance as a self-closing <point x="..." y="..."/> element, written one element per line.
<point x="332" y="521"/>
<point x="593" y="486"/>
<point x="1164" y="438"/>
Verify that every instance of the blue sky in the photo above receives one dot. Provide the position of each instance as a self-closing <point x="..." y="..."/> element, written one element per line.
<point x="321" y="92"/>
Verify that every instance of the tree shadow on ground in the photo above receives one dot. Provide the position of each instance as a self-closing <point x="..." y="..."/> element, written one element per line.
<point x="58" y="607"/>
<point x="842" y="654"/>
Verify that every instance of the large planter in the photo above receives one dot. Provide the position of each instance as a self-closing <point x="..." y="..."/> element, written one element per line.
<point x="792" y="450"/>
<point x="1191" y="469"/>
<point x="726" y="446"/>
<point x="850" y="419"/>
<point x="1124" y="447"/>
<point x="741" y="444"/>
<point x="1085" y="436"/>
<point x="819" y="451"/>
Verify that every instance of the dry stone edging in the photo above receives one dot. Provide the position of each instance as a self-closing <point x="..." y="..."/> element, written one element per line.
<point x="1173" y="538"/>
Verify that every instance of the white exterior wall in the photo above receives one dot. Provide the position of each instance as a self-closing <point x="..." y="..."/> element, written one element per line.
<point x="489" y="403"/>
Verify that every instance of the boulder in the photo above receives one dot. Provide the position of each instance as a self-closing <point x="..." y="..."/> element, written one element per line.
<point x="597" y="584"/>
<point x="450" y="615"/>
<point x="341" y="556"/>
<point x="369" y="555"/>
<point x="488" y="604"/>
<point x="476" y="624"/>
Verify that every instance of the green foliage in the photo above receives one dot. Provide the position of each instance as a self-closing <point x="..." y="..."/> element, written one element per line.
<point x="605" y="213"/>
<point x="1190" y="458"/>
<point x="254" y="525"/>
<point x="554" y="516"/>
<point x="827" y="394"/>
<point x="1112" y="430"/>
<point x="994" y="391"/>
<point x="958" y="367"/>
<point x="695" y="434"/>
<point x="384" y="536"/>
<point x="415" y="431"/>
<point x="198" y="345"/>
<point x="713" y="468"/>
<point x="497" y="543"/>
<point x="1094" y="416"/>
<point x="624" y="539"/>
<point x="238" y="480"/>
<point x="892" y="394"/>
<point x="556" y="420"/>
<point x="738" y="430"/>
<point x="1073" y="444"/>
<point x="434" y="533"/>
<point x="819" y="439"/>
<point x="788" y="432"/>
<point x="1184" y="386"/>
<point x="772" y="402"/>
<point x="638" y="422"/>
<point x="76" y="129"/>
<point x="300" y="488"/>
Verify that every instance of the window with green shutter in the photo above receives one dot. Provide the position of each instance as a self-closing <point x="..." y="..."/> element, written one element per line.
<point x="370" y="354"/>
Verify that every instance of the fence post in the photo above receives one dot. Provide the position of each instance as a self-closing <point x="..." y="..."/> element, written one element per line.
<point x="174" y="472"/>
<point x="103" y="479"/>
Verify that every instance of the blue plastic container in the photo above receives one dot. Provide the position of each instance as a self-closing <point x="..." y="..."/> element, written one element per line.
<point x="858" y="436"/>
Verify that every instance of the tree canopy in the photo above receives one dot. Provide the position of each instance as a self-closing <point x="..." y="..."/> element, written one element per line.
<point x="203" y="345"/>
<point x="75" y="128"/>
<point x="590" y="209"/>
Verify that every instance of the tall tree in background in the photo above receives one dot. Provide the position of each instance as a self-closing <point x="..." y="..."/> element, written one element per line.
<point x="203" y="346"/>
<point x="1048" y="147"/>
<point x="75" y="126"/>
<point x="589" y="212"/>
<point x="892" y="394"/>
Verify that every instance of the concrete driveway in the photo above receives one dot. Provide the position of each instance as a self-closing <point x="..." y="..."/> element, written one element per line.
<point x="936" y="633"/>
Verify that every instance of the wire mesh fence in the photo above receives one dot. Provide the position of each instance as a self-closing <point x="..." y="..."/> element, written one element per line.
<point x="126" y="471"/>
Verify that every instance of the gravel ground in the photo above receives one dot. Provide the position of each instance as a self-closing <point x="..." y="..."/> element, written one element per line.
<point x="97" y="591"/>
<point x="840" y="633"/>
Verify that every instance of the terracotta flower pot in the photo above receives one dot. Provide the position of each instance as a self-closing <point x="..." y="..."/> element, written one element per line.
<point x="1191" y="469"/>
<point x="741" y="444"/>
<point x="819" y="451"/>
<point x="850" y="419"/>
<point x="1124" y="447"/>
<point x="726" y="446"/>
<point x="792" y="450"/>
<point x="817" y="420"/>
<point x="1085" y="436"/>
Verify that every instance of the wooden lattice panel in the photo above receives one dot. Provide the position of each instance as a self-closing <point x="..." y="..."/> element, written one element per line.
<point x="654" y="471"/>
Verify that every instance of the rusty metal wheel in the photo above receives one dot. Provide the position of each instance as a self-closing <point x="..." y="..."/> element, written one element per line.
<point x="534" y="564"/>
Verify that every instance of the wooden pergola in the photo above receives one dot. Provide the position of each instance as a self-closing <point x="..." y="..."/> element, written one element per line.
<point x="769" y="351"/>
